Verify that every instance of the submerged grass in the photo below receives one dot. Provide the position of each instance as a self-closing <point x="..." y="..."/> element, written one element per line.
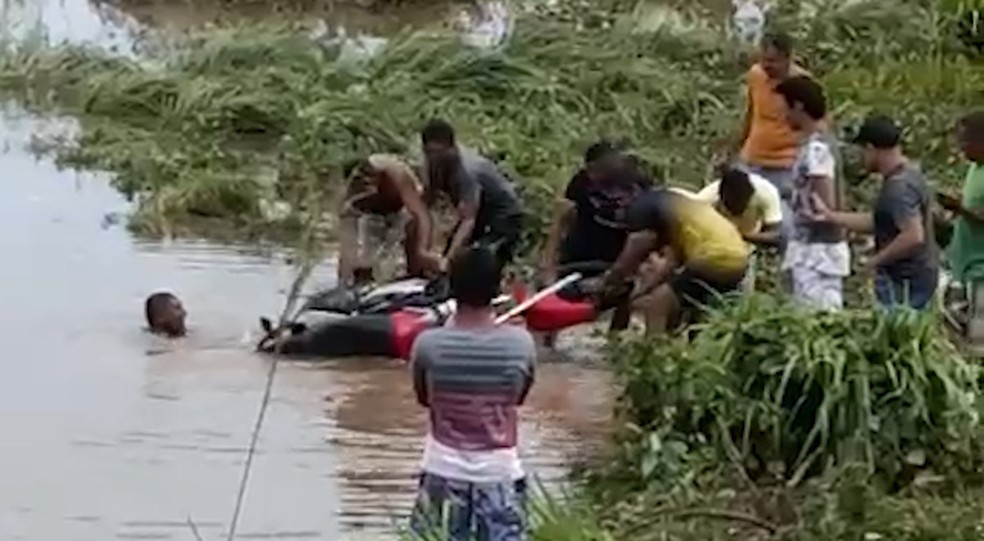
<point x="229" y="120"/>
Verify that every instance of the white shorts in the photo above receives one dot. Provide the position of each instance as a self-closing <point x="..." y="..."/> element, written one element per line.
<point x="817" y="272"/>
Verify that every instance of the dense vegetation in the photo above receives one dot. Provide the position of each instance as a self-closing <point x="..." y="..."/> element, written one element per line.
<point x="226" y="123"/>
<point x="770" y="422"/>
<point x="800" y="421"/>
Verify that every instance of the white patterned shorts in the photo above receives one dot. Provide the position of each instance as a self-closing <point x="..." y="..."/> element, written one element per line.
<point x="817" y="272"/>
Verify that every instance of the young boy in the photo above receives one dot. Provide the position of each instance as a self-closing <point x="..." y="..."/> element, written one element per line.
<point x="472" y="375"/>
<point x="817" y="256"/>
<point x="966" y="250"/>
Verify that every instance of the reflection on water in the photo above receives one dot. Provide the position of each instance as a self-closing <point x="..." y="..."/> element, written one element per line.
<point x="70" y="21"/>
<point x="109" y="432"/>
<point x="119" y="27"/>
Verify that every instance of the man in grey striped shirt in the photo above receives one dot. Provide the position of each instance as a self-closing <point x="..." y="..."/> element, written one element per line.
<point x="472" y="375"/>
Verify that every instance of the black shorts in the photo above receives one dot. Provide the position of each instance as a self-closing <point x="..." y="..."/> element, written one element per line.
<point x="695" y="288"/>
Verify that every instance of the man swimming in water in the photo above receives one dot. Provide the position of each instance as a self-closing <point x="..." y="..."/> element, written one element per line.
<point x="383" y="194"/>
<point x="702" y="255"/>
<point x="165" y="315"/>
<point x="488" y="209"/>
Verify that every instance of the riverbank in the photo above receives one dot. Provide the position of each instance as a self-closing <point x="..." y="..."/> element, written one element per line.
<point x="775" y="423"/>
<point x="249" y="125"/>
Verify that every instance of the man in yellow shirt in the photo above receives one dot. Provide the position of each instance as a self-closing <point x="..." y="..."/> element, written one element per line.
<point x="752" y="204"/>
<point x="702" y="255"/>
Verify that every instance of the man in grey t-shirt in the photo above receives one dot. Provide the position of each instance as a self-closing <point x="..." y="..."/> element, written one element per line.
<point x="472" y="376"/>
<point x="489" y="210"/>
<point x="905" y="262"/>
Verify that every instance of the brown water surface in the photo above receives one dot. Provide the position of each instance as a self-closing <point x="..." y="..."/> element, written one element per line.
<point x="107" y="432"/>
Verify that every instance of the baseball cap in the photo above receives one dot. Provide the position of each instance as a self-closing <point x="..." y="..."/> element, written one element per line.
<point x="878" y="131"/>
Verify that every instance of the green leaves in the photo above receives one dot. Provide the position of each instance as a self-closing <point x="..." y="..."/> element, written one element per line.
<point x="809" y="391"/>
<point x="215" y="105"/>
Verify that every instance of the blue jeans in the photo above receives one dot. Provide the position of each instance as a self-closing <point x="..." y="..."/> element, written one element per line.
<point x="917" y="292"/>
<point x="452" y="510"/>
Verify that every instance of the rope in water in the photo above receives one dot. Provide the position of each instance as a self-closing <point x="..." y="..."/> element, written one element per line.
<point x="309" y="262"/>
<point x="244" y="481"/>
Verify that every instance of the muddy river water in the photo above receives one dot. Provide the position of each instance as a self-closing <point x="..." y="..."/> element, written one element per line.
<point x="107" y="432"/>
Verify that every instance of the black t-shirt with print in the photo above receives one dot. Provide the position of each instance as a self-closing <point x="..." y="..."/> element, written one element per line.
<point x="600" y="229"/>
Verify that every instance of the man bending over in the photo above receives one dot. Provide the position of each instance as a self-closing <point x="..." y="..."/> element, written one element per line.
<point x="383" y="194"/>
<point x="489" y="212"/>
<point x="702" y="255"/>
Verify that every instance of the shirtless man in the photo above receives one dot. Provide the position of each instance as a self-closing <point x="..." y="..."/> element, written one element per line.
<point x="487" y="207"/>
<point x="383" y="195"/>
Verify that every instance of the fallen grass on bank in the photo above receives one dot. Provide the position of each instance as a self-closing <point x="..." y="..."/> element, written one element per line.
<point x="232" y="122"/>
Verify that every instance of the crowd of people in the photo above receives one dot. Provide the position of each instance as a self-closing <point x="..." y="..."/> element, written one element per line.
<point x="783" y="188"/>
<point x="658" y="249"/>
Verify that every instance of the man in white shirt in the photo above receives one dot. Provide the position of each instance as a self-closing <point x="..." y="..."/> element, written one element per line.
<point x="753" y="205"/>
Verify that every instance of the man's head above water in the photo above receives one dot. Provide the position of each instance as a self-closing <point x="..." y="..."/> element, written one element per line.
<point x="165" y="314"/>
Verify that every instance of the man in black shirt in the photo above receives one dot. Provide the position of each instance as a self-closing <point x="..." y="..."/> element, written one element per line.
<point x="589" y="221"/>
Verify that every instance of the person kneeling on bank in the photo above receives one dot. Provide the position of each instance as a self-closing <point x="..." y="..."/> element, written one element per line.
<point x="701" y="256"/>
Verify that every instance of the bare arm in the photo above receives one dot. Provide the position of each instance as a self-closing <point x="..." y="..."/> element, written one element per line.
<point x="349" y="238"/>
<point x="466" y="224"/>
<point x="348" y="248"/>
<point x="859" y="222"/>
<point x="637" y="248"/>
<point x="530" y="375"/>
<point x="767" y="236"/>
<point x="419" y="370"/>
<point x="746" y="122"/>
<point x="974" y="215"/>
<point x="824" y="197"/>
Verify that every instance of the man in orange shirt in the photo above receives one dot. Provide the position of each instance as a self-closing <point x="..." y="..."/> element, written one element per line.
<point x="768" y="144"/>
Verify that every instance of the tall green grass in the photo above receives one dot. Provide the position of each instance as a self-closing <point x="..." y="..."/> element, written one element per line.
<point x="557" y="514"/>
<point x="186" y="130"/>
<point x="788" y="394"/>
